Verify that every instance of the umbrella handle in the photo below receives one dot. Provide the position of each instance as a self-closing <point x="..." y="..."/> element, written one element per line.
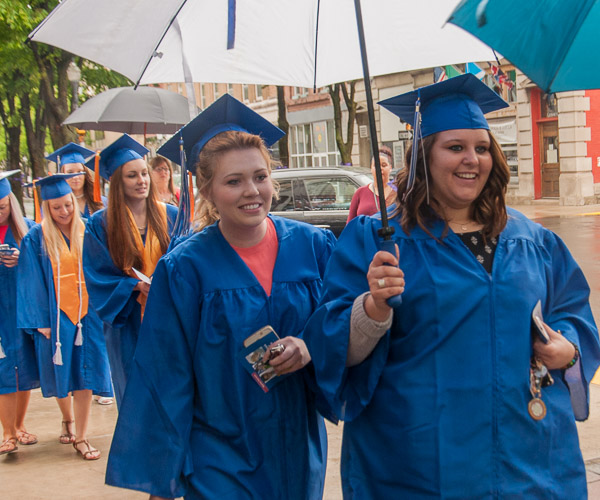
<point x="390" y="246"/>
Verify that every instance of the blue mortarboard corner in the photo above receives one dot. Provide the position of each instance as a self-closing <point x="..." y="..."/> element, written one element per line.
<point x="70" y="153"/>
<point x="457" y="103"/>
<point x="226" y="113"/>
<point x="55" y="186"/>
<point x="5" y="188"/>
<point x="124" y="149"/>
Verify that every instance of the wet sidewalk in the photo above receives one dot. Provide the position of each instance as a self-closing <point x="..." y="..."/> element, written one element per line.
<point x="49" y="470"/>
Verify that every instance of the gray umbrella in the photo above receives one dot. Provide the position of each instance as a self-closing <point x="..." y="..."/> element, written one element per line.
<point x="145" y="110"/>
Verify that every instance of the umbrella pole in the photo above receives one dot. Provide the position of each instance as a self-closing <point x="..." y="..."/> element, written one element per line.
<point x="386" y="230"/>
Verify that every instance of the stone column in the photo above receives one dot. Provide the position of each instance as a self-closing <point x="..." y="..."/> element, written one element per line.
<point x="576" y="178"/>
<point x="523" y="192"/>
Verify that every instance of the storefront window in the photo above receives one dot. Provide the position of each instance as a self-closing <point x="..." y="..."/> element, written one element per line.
<point x="313" y="144"/>
<point x="549" y="105"/>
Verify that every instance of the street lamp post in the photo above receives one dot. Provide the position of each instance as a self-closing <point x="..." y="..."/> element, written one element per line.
<point x="74" y="75"/>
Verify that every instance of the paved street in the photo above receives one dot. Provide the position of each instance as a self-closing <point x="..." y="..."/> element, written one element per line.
<point x="49" y="470"/>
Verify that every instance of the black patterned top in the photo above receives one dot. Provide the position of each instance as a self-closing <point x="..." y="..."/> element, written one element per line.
<point x="482" y="250"/>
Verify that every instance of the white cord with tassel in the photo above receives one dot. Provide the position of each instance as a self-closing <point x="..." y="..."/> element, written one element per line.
<point x="57" y="358"/>
<point x="79" y="336"/>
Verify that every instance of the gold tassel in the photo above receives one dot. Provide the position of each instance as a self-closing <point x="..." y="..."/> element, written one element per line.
<point x="97" y="196"/>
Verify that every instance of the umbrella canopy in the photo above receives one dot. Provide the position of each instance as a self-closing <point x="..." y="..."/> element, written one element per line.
<point x="281" y="42"/>
<point x="145" y="110"/>
<point x="551" y="41"/>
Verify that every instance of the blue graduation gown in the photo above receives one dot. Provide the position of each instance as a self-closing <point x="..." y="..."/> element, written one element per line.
<point x="86" y="212"/>
<point x="18" y="370"/>
<point x="193" y="422"/>
<point x="85" y="366"/>
<point x="111" y="294"/>
<point x="439" y="408"/>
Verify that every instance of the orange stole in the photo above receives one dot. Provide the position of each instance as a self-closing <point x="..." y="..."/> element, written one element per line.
<point x="69" y="282"/>
<point x="151" y="250"/>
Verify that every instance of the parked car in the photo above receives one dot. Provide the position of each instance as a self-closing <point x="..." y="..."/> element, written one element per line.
<point x="320" y="196"/>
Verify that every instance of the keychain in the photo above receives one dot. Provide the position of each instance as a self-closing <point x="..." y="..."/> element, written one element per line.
<point x="539" y="377"/>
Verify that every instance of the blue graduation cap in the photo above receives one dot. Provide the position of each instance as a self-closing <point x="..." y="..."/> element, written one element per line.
<point x="456" y="103"/>
<point x="55" y="186"/>
<point x="5" y="188"/>
<point x="226" y="113"/>
<point x="124" y="149"/>
<point x="71" y="153"/>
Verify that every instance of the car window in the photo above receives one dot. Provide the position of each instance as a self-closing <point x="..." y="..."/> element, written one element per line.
<point x="286" y="200"/>
<point x="301" y="199"/>
<point x="330" y="194"/>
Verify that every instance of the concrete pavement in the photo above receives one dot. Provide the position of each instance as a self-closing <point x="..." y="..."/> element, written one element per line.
<point x="50" y="470"/>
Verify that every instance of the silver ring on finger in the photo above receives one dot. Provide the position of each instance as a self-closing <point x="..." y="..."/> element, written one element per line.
<point x="381" y="282"/>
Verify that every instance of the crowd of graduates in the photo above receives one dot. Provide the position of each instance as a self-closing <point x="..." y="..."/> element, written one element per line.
<point x="228" y="334"/>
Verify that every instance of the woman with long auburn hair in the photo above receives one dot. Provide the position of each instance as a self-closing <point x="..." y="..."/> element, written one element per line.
<point x="122" y="246"/>
<point x="70" y="159"/>
<point x="52" y="306"/>
<point x="471" y="386"/>
<point x="217" y="301"/>
<point x="18" y="368"/>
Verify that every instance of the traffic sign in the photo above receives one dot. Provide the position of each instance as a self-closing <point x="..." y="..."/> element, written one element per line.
<point x="405" y="135"/>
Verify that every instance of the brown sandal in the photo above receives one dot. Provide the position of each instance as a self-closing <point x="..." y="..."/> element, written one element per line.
<point x="26" y="438"/>
<point x="67" y="437"/>
<point x="86" y="454"/>
<point x="9" y="441"/>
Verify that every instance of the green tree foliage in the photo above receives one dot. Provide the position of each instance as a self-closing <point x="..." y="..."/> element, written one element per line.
<point x="35" y="93"/>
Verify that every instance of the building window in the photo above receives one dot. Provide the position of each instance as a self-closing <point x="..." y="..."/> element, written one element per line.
<point x="245" y="93"/>
<point x="216" y="93"/>
<point x="299" y="92"/>
<point x="203" y="96"/>
<point x="549" y="106"/>
<point x="230" y="89"/>
<point x="313" y="145"/>
<point x="505" y="133"/>
<point x="259" y="92"/>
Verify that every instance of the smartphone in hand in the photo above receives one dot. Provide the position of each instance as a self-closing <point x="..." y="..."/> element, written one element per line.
<point x="538" y="323"/>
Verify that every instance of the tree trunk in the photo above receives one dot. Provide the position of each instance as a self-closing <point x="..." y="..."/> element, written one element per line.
<point x="12" y="130"/>
<point x="53" y="75"/>
<point x="282" y="123"/>
<point x="35" y="134"/>
<point x="344" y="146"/>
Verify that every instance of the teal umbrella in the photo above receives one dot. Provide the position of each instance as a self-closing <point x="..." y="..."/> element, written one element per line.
<point x="551" y="41"/>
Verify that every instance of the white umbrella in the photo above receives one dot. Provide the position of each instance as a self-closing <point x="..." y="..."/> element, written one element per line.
<point x="145" y="110"/>
<point x="301" y="43"/>
<point x="305" y="43"/>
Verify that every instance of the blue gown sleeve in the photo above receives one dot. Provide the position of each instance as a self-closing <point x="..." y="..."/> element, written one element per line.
<point x="347" y="390"/>
<point x="110" y="290"/>
<point x="150" y="449"/>
<point x="33" y="310"/>
<point x="568" y="310"/>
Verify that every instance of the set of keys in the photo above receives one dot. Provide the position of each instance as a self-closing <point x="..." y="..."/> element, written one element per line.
<point x="539" y="377"/>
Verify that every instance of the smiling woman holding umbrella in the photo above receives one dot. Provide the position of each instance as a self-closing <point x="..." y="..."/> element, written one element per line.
<point x="448" y="394"/>
<point x="126" y="238"/>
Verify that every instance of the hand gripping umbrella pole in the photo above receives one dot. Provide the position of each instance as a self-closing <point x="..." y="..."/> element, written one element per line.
<point x="387" y="243"/>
